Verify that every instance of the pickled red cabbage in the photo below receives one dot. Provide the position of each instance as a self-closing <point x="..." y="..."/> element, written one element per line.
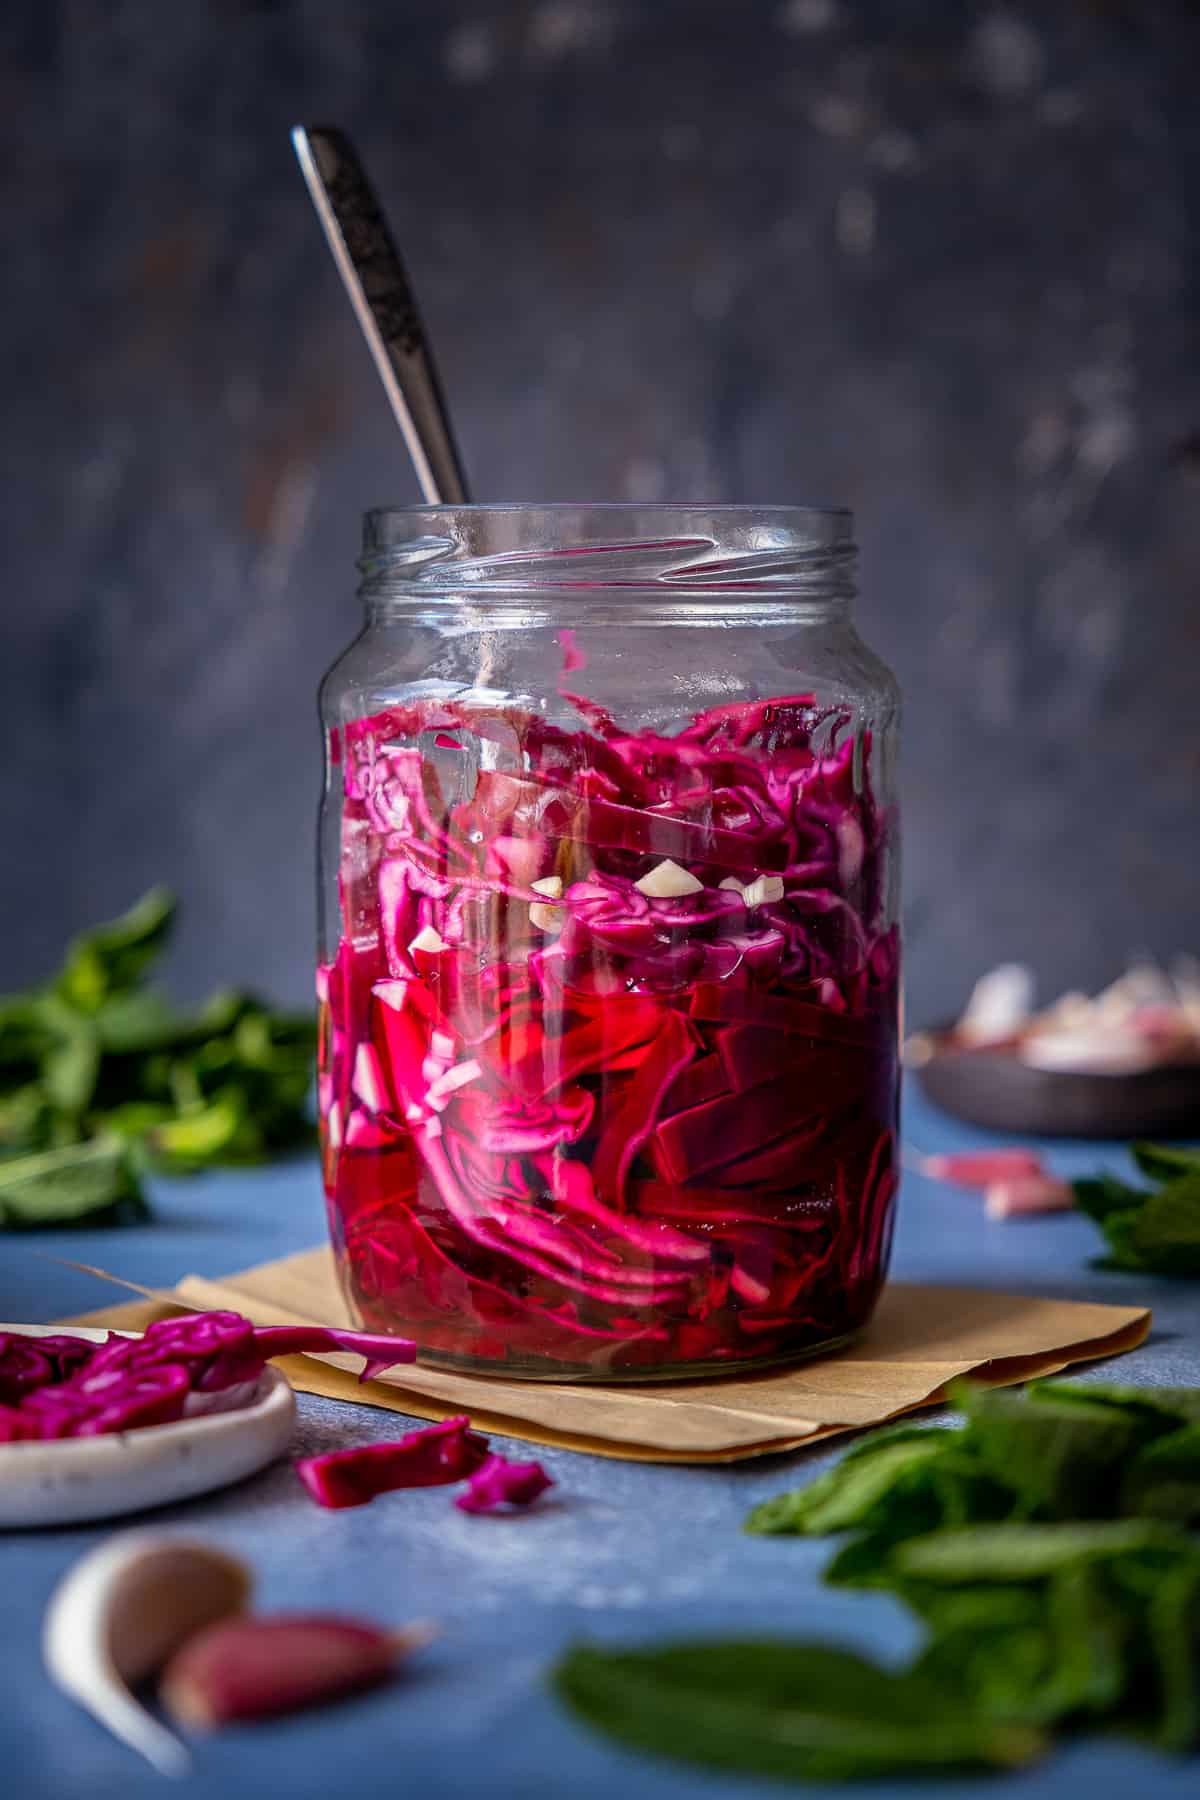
<point x="56" y="1386"/>
<point x="608" y="1046"/>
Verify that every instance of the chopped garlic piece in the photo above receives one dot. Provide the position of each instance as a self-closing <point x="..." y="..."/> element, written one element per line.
<point x="733" y="885"/>
<point x="667" y="881"/>
<point x="763" y="890"/>
<point x="391" y="993"/>
<point x="427" y="939"/>
<point x="367" y="1081"/>
<point x="546" y="918"/>
<point x="550" y="885"/>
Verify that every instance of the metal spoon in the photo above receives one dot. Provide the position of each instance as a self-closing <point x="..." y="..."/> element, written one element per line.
<point x="379" y="291"/>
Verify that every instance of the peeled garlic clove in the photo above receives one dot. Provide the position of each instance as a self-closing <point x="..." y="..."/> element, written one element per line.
<point x="118" y="1616"/>
<point x="244" y="1669"/>
<point x="667" y="881"/>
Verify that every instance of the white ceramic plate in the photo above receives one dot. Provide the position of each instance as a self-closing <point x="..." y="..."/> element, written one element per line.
<point x="70" y="1480"/>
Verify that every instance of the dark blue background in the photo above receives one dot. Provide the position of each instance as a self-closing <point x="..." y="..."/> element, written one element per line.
<point x="935" y="262"/>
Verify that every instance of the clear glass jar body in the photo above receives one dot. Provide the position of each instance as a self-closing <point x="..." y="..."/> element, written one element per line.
<point x="609" y="963"/>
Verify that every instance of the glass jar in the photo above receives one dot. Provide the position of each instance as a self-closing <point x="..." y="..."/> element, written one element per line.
<point x="609" y="956"/>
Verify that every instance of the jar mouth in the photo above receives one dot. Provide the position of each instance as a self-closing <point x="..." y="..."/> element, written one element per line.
<point x="689" y="548"/>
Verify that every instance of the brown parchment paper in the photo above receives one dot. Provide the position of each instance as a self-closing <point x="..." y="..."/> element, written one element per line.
<point x="920" y="1339"/>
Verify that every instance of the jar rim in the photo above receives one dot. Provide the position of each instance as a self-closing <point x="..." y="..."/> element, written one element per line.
<point x="685" y="548"/>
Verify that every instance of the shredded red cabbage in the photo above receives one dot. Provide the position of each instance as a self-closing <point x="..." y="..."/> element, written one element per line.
<point x="498" y="1482"/>
<point x="608" y="1051"/>
<point x="57" y="1386"/>
<point x="430" y="1457"/>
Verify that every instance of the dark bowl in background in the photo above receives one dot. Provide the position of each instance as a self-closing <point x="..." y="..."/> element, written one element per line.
<point x="995" y="1089"/>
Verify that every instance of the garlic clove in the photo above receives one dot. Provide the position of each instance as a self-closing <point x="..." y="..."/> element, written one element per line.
<point x="243" y="1669"/>
<point x="550" y="885"/>
<point x="546" y="918"/>
<point x="1028" y="1194"/>
<point x="732" y="885"/>
<point x="121" y="1613"/>
<point x="667" y="881"/>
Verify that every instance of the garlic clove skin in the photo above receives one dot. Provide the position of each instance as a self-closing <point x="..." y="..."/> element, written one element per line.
<point x="667" y="881"/>
<point x="121" y="1613"/>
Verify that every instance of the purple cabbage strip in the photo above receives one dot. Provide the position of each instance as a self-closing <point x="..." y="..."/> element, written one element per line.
<point x="431" y="1457"/>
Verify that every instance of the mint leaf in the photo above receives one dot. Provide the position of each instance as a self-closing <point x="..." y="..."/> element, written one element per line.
<point x="1159" y="1230"/>
<point x="1167" y="1233"/>
<point x="800" y="1711"/>
<point x="60" y="1187"/>
<point x="1172" y="1644"/>
<point x="1163" y="1162"/>
<point x="1101" y="1195"/>
<point x="1032" y="1653"/>
<point x="1163" y="1481"/>
<point x="1019" y="1552"/>
<point x="1166" y="1406"/>
<point x="882" y="1471"/>
<point x="1060" y="1458"/>
<point x="111" y="958"/>
<point x="99" y="1062"/>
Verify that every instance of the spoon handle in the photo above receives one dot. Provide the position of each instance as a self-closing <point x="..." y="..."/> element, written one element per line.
<point x="379" y="291"/>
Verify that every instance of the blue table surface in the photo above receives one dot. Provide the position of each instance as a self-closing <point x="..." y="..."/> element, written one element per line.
<point x="620" y="1553"/>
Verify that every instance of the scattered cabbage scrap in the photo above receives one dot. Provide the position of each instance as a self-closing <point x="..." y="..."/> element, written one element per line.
<point x="498" y="1483"/>
<point x="431" y="1457"/>
<point x="608" y="1045"/>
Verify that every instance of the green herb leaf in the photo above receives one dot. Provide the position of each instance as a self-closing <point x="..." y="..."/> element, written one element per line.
<point x="1173" y="1645"/>
<point x="1163" y="1162"/>
<point x="1057" y="1456"/>
<point x="1163" y="1481"/>
<point x="60" y="1187"/>
<point x="98" y="1058"/>
<point x="1102" y="1195"/>
<point x="112" y="957"/>
<point x="1157" y="1231"/>
<point x="1167" y="1233"/>
<point x="801" y="1711"/>
<point x="1021" y="1552"/>
<point x="882" y="1471"/>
